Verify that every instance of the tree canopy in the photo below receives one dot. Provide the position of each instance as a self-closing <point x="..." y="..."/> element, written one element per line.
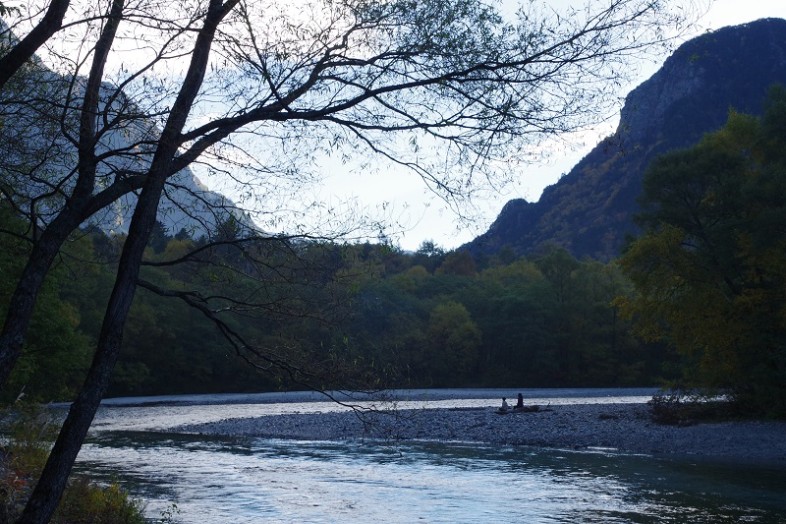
<point x="259" y="90"/>
<point x="710" y="265"/>
<point x="342" y="314"/>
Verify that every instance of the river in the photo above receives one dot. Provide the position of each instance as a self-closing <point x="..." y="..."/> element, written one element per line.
<point x="222" y="480"/>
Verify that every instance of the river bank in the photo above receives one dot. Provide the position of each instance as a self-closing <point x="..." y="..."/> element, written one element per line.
<point x="625" y="428"/>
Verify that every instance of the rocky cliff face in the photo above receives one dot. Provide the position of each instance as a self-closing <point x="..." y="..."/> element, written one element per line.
<point x="590" y="210"/>
<point x="38" y="157"/>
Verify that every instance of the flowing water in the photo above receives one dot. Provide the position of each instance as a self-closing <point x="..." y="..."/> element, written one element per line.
<point x="232" y="480"/>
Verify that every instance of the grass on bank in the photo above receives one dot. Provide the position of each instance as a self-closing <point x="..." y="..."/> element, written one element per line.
<point x="28" y="432"/>
<point x="686" y="408"/>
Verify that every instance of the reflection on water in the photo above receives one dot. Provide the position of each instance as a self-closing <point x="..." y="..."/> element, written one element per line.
<point x="215" y="480"/>
<point x="219" y="480"/>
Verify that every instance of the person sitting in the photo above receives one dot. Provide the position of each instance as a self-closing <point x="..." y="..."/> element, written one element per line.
<point x="504" y="408"/>
<point x="520" y="402"/>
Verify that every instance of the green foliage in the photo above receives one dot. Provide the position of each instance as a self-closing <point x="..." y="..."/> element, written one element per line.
<point x="509" y="324"/>
<point x="458" y="263"/>
<point x="86" y="502"/>
<point x="56" y="352"/>
<point x="362" y="315"/>
<point x="29" y="432"/>
<point x="709" y="268"/>
<point x="686" y="408"/>
<point x="353" y="315"/>
<point x="454" y="340"/>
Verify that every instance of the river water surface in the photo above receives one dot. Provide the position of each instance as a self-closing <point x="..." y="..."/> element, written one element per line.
<point x="225" y="480"/>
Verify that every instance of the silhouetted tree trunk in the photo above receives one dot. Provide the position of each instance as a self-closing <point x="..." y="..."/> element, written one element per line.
<point x="376" y="73"/>
<point x="50" y="486"/>
<point x="81" y="205"/>
<point x="491" y="78"/>
<point x="46" y="249"/>
<point x="20" y="53"/>
<point x="25" y="294"/>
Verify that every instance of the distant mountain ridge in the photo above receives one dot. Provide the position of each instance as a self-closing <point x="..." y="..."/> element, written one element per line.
<point x="589" y="211"/>
<point x="31" y="135"/>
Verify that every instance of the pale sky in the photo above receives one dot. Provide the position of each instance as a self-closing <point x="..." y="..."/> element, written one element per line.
<point x="427" y="218"/>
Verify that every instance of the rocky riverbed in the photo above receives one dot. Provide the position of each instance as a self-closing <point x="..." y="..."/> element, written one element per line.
<point x="621" y="427"/>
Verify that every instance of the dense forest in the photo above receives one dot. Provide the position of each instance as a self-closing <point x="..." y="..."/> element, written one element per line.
<point x="697" y="300"/>
<point x="365" y="314"/>
<point x="710" y="266"/>
<point x="260" y="97"/>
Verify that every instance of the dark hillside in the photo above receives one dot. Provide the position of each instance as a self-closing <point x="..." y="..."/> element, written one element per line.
<point x="589" y="211"/>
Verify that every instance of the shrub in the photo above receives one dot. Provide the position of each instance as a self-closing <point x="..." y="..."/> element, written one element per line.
<point x="86" y="502"/>
<point x="685" y="408"/>
<point x="28" y="432"/>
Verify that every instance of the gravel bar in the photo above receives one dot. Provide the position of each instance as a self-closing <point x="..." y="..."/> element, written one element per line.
<point x="624" y="428"/>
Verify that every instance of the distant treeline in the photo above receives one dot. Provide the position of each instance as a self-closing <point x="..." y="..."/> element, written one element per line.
<point x="703" y="290"/>
<point x="368" y="315"/>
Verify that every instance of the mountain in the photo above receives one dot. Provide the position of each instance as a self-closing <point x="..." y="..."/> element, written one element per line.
<point x="38" y="155"/>
<point x="589" y="211"/>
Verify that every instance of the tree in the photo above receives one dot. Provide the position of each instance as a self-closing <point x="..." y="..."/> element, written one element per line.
<point x="19" y="52"/>
<point x="510" y="305"/>
<point x="387" y="78"/>
<point x="454" y="339"/>
<point x="709" y="267"/>
<point x="457" y="263"/>
<point x="496" y="85"/>
<point x="428" y="256"/>
<point x="56" y="354"/>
